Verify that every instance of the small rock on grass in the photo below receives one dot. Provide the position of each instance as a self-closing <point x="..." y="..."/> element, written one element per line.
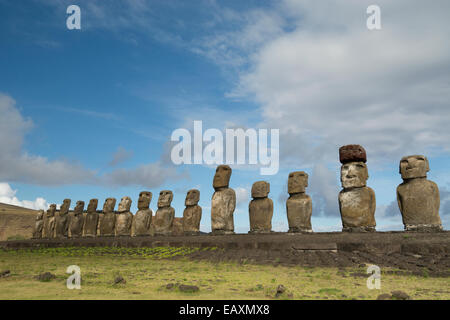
<point x="280" y="290"/>
<point x="119" y="280"/>
<point x="188" y="288"/>
<point x="45" y="277"/>
<point x="5" y="273"/>
<point x="400" y="295"/>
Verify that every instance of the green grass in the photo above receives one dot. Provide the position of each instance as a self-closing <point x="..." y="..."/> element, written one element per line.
<point x="147" y="272"/>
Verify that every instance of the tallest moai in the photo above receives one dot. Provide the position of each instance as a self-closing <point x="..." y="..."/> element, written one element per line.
<point x="356" y="200"/>
<point x="223" y="202"/>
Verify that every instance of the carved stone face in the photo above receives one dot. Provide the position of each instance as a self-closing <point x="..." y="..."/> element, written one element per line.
<point x="145" y="197"/>
<point x="192" y="197"/>
<point x="222" y="177"/>
<point x="125" y="204"/>
<point x="65" y="207"/>
<point x="109" y="205"/>
<point x="40" y="215"/>
<point x="51" y="210"/>
<point x="92" y="206"/>
<point x="260" y="189"/>
<point x="415" y="166"/>
<point x="297" y="182"/>
<point x="354" y="175"/>
<point x="79" y="208"/>
<point x="165" y="198"/>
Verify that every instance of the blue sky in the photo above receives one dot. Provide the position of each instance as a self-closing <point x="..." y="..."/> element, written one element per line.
<point x="89" y="113"/>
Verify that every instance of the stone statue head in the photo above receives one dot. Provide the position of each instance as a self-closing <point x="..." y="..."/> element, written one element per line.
<point x="64" y="209"/>
<point x="192" y="197"/>
<point x="165" y="198"/>
<point x="79" y="207"/>
<point x="145" y="197"/>
<point x="297" y="182"/>
<point x="92" y="206"/>
<point x="260" y="189"/>
<point x="222" y="177"/>
<point x="415" y="166"/>
<point x="40" y="215"/>
<point x="109" y="205"/>
<point x="51" y="210"/>
<point x="354" y="175"/>
<point x="125" y="204"/>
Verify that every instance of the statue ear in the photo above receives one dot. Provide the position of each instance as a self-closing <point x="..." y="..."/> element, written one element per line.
<point x="428" y="164"/>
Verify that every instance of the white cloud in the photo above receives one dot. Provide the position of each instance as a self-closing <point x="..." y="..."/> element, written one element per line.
<point x="16" y="165"/>
<point x="242" y="196"/>
<point x="331" y="82"/>
<point x="120" y="156"/>
<point x="8" y="196"/>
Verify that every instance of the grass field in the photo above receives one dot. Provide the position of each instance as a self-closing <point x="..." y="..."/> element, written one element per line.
<point x="148" y="271"/>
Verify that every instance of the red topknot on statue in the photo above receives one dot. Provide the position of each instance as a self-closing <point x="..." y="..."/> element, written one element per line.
<point x="352" y="153"/>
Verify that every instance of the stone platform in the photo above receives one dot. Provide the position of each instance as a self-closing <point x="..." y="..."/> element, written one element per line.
<point x="382" y="242"/>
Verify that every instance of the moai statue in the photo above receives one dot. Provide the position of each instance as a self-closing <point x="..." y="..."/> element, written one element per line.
<point x="356" y="200"/>
<point x="62" y="220"/>
<point x="165" y="214"/>
<point x="223" y="202"/>
<point x="192" y="214"/>
<point x="299" y="204"/>
<point x="49" y="223"/>
<point x="124" y="218"/>
<point x="417" y="197"/>
<point x="143" y="218"/>
<point x="108" y="220"/>
<point x="38" y="225"/>
<point x="91" y="219"/>
<point x="77" y="220"/>
<point x="260" y="208"/>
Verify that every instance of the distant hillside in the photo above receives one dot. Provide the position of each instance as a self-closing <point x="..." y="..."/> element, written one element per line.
<point x="16" y="221"/>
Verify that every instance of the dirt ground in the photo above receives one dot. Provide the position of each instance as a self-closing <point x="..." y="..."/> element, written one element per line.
<point x="408" y="252"/>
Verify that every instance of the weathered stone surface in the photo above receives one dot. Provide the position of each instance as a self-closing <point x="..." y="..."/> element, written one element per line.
<point x="192" y="214"/>
<point x="415" y="166"/>
<point x="49" y="222"/>
<point x="124" y="218"/>
<point x="223" y="204"/>
<point x="165" y="214"/>
<point x="177" y="227"/>
<point x="297" y="182"/>
<point x="418" y="198"/>
<point x="192" y="197"/>
<point x="143" y="218"/>
<point x="38" y="225"/>
<point x="260" y="213"/>
<point x="299" y="211"/>
<point x="108" y="218"/>
<point x="163" y="220"/>
<point x="62" y="220"/>
<point x="352" y="153"/>
<point x="260" y="189"/>
<point x="191" y="219"/>
<point x="354" y="175"/>
<point x="165" y="198"/>
<point x="357" y="207"/>
<point x="222" y="177"/>
<point x="91" y="219"/>
<point x="77" y="220"/>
